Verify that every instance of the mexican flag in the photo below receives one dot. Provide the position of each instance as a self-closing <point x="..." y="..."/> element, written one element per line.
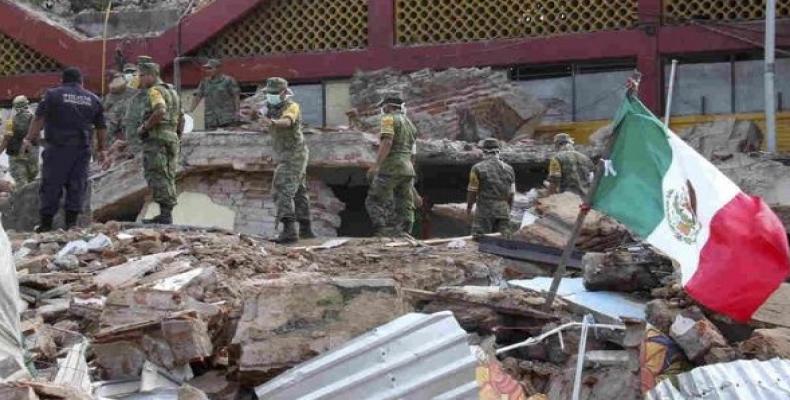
<point x="732" y="249"/>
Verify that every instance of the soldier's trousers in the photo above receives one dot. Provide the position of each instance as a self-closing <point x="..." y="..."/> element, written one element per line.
<point x="160" y="164"/>
<point x="24" y="167"/>
<point x="390" y="202"/>
<point x="64" y="167"/>
<point x="290" y="190"/>
<point x="492" y="217"/>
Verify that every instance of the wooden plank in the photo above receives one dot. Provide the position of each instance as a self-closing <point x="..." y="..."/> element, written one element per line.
<point x="516" y="311"/>
<point x="776" y="310"/>
<point x="528" y="252"/>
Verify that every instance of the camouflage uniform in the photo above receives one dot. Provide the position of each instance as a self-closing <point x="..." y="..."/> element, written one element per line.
<point x="134" y="114"/>
<point x="494" y="182"/>
<point x="290" y="177"/>
<point x="23" y="166"/>
<point x="569" y="170"/>
<point x="394" y="182"/>
<point x="161" y="146"/>
<point x="115" y="105"/>
<point x="220" y="94"/>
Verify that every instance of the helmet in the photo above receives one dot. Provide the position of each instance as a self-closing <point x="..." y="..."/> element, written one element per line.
<point x="20" y="102"/>
<point x="562" y="138"/>
<point x="491" y="144"/>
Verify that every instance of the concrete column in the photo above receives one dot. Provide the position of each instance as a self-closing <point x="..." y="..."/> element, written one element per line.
<point x="649" y="56"/>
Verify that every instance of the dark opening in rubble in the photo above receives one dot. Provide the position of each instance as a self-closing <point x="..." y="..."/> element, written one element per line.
<point x="438" y="184"/>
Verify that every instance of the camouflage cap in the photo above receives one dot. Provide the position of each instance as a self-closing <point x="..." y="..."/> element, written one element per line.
<point x="149" y="69"/>
<point x="144" y="60"/>
<point x="562" y="138"/>
<point x="275" y="85"/>
<point x="212" y="63"/>
<point x="129" y="67"/>
<point x="20" y="101"/>
<point x="391" y="97"/>
<point x="491" y="144"/>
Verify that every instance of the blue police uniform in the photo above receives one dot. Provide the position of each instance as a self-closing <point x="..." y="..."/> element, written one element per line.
<point x="70" y="114"/>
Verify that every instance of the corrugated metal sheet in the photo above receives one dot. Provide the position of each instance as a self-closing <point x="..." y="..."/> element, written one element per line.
<point x="739" y="380"/>
<point x="417" y="356"/>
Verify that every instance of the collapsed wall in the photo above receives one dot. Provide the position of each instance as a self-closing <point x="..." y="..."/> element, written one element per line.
<point x="467" y="104"/>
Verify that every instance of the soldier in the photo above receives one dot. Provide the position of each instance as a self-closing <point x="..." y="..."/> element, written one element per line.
<point x="160" y="134"/>
<point x="492" y="185"/>
<point x="68" y="114"/>
<point x="134" y="114"/>
<point x="284" y="121"/>
<point x="23" y="164"/>
<point x="222" y="97"/>
<point x="569" y="170"/>
<point x="392" y="177"/>
<point x="116" y="102"/>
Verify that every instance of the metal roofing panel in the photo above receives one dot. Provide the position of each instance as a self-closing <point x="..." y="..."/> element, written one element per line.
<point x="738" y="380"/>
<point x="416" y="356"/>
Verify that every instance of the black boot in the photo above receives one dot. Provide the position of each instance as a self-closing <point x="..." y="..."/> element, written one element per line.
<point x="165" y="217"/>
<point x="45" y="225"/>
<point x="288" y="234"/>
<point x="306" y="230"/>
<point x="71" y="219"/>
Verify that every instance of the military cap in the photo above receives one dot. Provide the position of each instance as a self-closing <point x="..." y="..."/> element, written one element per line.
<point x="562" y="138"/>
<point x="144" y="60"/>
<point x="275" y="85"/>
<point x="149" y="69"/>
<point x="20" y="101"/>
<point x="212" y="63"/>
<point x="391" y="97"/>
<point x="491" y="144"/>
<point x="128" y="67"/>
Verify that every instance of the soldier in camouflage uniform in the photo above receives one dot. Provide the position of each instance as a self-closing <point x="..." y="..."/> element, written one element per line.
<point x="116" y="102"/>
<point x="222" y="97"/>
<point x="492" y="185"/>
<point x="134" y="115"/>
<point x="160" y="134"/>
<point x="23" y="163"/>
<point x="392" y="178"/>
<point x="569" y="170"/>
<point x="284" y="122"/>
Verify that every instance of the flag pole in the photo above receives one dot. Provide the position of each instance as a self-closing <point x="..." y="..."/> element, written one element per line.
<point x="670" y="93"/>
<point x="585" y="209"/>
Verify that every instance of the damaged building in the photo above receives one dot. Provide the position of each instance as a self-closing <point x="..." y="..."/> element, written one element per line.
<point x="208" y="308"/>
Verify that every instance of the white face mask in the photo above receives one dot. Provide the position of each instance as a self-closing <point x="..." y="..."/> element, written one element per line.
<point x="273" y="99"/>
<point x="128" y="77"/>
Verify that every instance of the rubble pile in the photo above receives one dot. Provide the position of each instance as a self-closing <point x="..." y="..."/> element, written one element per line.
<point x="467" y="104"/>
<point x="220" y="312"/>
<point x="556" y="216"/>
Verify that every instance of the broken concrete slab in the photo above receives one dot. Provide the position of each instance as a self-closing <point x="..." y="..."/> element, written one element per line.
<point x="766" y="344"/>
<point x="455" y="104"/>
<point x="288" y="320"/>
<point x="624" y="270"/>
<point x="724" y="137"/>
<point x="696" y="337"/>
<point x="216" y="386"/>
<point x="127" y="273"/>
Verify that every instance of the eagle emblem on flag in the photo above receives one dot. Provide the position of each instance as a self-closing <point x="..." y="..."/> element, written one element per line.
<point x="681" y="211"/>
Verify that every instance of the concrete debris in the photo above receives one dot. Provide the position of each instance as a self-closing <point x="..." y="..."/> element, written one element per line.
<point x="556" y="217"/>
<point x="696" y="337"/>
<point x="766" y="344"/>
<point x="289" y="320"/>
<point x="468" y="104"/>
<point x="625" y="269"/>
<point x="723" y="138"/>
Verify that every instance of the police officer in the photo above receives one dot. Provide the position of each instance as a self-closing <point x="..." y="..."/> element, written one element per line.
<point x="222" y="97"/>
<point x="68" y="114"/>
<point x="23" y="164"/>
<point x="569" y="170"/>
<point x="492" y="185"/>
<point x="392" y="177"/>
<point x="134" y="114"/>
<point x="160" y="134"/>
<point x="284" y="121"/>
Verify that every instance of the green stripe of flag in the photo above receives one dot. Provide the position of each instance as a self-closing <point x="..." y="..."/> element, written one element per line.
<point x="641" y="157"/>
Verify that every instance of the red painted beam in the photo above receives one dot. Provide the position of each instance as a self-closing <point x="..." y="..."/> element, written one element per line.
<point x="691" y="39"/>
<point x="649" y="57"/>
<point x="39" y="34"/>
